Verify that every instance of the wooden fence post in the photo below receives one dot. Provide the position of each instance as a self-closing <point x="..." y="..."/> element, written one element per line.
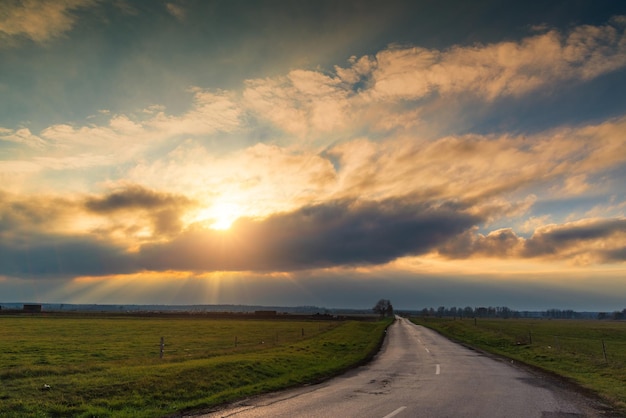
<point x="162" y="347"/>
<point x="604" y="352"/>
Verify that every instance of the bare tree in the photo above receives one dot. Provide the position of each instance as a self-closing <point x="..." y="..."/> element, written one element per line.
<point x="383" y="308"/>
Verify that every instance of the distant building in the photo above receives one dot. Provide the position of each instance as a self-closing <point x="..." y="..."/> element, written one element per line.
<point x="32" y="308"/>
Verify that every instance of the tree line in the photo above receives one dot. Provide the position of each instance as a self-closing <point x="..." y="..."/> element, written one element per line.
<point x="470" y="312"/>
<point x="506" y="312"/>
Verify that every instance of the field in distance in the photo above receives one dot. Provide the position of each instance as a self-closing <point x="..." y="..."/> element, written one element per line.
<point x="591" y="353"/>
<point x="71" y="365"/>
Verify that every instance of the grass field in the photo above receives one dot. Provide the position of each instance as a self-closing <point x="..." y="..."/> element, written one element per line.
<point x="112" y="366"/>
<point x="591" y="353"/>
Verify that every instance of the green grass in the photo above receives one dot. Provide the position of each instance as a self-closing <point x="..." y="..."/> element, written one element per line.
<point x="569" y="348"/>
<point x="111" y="366"/>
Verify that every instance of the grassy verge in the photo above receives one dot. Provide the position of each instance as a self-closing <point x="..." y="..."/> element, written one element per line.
<point x="590" y="353"/>
<point x="101" y="367"/>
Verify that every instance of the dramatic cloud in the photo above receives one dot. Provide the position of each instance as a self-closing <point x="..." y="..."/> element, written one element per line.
<point x="358" y="228"/>
<point x="163" y="210"/>
<point x="494" y="70"/>
<point x="583" y="242"/>
<point x="57" y="236"/>
<point x="44" y="236"/>
<point x="133" y="197"/>
<point x="479" y="167"/>
<point x="326" y="235"/>
<point x="58" y="256"/>
<point x="314" y="104"/>
<point x="333" y="234"/>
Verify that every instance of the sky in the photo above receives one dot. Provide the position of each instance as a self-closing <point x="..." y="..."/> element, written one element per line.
<point x="325" y="153"/>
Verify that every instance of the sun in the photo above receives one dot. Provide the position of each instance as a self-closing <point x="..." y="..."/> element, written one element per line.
<point x="218" y="215"/>
<point x="222" y="215"/>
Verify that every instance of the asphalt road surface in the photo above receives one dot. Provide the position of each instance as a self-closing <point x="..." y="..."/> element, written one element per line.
<point x="419" y="373"/>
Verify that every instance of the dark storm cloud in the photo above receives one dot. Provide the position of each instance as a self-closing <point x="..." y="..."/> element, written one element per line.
<point x="324" y="235"/>
<point x="500" y="243"/>
<point x="163" y="209"/>
<point x="57" y="256"/>
<point x="564" y="237"/>
<point x="332" y="234"/>
<point x="133" y="197"/>
<point x="339" y="233"/>
<point x="601" y="239"/>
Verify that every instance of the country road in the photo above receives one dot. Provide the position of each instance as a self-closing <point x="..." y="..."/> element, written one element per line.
<point x="419" y="373"/>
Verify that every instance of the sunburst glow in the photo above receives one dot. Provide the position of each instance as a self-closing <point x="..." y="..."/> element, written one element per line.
<point x="222" y="215"/>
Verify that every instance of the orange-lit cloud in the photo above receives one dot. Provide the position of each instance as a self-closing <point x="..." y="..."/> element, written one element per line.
<point x="501" y="69"/>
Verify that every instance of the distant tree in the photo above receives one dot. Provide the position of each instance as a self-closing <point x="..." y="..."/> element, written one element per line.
<point x="383" y="308"/>
<point x="481" y="312"/>
<point x="503" y="312"/>
<point x="453" y="312"/>
<point x="390" y="310"/>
